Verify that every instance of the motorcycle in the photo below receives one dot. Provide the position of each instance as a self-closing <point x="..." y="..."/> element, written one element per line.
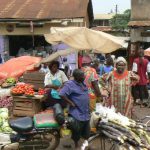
<point x="29" y="137"/>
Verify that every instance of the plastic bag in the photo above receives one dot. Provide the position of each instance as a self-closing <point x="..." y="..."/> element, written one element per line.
<point x="55" y="94"/>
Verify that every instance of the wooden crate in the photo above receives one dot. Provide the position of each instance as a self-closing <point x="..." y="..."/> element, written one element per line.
<point x="23" y="106"/>
<point x="34" y="78"/>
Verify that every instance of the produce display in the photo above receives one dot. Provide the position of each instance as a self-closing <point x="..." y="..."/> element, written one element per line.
<point x="23" y="89"/>
<point x="29" y="92"/>
<point x="8" y="82"/>
<point x="41" y="91"/>
<point x="6" y="102"/>
<point x="120" y="129"/>
<point x="4" y="126"/>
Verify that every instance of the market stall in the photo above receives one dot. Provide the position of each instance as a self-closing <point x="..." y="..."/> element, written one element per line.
<point x="27" y="96"/>
<point x="10" y="72"/>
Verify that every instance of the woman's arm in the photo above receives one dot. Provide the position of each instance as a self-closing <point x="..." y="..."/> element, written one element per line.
<point x="52" y="87"/>
<point x="96" y="88"/>
<point x="134" y="78"/>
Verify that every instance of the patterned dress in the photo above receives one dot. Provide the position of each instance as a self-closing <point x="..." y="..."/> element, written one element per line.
<point x="90" y="75"/>
<point x="119" y="86"/>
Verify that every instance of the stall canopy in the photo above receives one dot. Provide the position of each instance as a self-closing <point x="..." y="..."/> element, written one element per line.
<point x="55" y="56"/>
<point x="81" y="38"/>
<point x="15" y="67"/>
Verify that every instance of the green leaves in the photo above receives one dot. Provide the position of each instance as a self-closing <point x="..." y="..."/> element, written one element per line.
<point x="120" y="21"/>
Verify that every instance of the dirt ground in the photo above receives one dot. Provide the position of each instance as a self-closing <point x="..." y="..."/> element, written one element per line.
<point x="67" y="143"/>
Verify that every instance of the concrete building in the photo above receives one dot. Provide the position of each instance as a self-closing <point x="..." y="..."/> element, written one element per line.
<point x="102" y="22"/>
<point x="25" y="20"/>
<point x="140" y="22"/>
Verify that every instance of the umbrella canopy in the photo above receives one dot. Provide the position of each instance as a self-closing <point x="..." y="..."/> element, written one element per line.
<point x="55" y="56"/>
<point x="15" y="67"/>
<point x="82" y="38"/>
<point x="147" y="52"/>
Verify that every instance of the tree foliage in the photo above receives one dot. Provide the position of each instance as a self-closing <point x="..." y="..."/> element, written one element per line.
<point x="120" y="21"/>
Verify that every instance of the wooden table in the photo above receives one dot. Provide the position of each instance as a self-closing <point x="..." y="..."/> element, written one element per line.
<point x="26" y="106"/>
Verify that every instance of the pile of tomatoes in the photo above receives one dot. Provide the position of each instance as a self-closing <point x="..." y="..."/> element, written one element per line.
<point x="21" y="89"/>
<point x="41" y="91"/>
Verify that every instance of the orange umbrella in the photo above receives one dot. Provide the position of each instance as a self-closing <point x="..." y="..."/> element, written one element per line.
<point x="147" y="52"/>
<point x="15" y="67"/>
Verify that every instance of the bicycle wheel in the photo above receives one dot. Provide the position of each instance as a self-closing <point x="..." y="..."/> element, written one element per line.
<point x="98" y="142"/>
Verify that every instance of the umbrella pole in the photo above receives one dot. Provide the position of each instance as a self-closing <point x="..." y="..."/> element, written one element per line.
<point x="33" y="41"/>
<point x="32" y="31"/>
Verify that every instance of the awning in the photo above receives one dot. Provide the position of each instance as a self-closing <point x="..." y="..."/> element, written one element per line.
<point x="139" y="23"/>
<point x="81" y="38"/>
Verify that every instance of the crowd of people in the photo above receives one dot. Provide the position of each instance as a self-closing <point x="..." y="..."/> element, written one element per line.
<point x="105" y="80"/>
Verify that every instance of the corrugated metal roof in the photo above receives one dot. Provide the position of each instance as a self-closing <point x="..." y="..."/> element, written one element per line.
<point x="43" y="9"/>
<point x="103" y="28"/>
<point x="103" y="16"/>
<point x="139" y="23"/>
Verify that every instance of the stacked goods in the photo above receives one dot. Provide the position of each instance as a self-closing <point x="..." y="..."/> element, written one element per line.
<point x="17" y="90"/>
<point x="41" y="91"/>
<point x="22" y="89"/>
<point x="4" y="126"/>
<point x="6" y="102"/>
<point x="29" y="92"/>
<point x="120" y="129"/>
<point x="8" y="82"/>
<point x="28" y="103"/>
<point x="34" y="78"/>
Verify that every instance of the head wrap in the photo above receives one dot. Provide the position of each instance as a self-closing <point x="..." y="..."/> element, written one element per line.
<point x="121" y="59"/>
<point x="86" y="60"/>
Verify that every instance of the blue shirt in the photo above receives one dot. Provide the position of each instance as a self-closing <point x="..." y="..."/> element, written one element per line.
<point x="78" y="94"/>
<point x="108" y="69"/>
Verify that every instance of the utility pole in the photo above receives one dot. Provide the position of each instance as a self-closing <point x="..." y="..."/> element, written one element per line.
<point x="116" y="9"/>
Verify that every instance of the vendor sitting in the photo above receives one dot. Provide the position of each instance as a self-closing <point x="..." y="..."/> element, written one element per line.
<point x="54" y="80"/>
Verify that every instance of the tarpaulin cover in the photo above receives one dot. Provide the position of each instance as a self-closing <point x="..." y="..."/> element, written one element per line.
<point x="81" y="38"/>
<point x="15" y="67"/>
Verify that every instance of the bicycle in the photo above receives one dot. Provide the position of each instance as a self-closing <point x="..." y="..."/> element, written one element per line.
<point x="98" y="141"/>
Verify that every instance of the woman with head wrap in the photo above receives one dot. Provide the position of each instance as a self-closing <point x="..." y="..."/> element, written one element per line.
<point x="91" y="81"/>
<point x="119" y="85"/>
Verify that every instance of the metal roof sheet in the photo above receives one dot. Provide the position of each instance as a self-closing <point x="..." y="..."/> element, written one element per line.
<point x="102" y="28"/>
<point x="43" y="9"/>
<point x="103" y="16"/>
<point x="139" y="23"/>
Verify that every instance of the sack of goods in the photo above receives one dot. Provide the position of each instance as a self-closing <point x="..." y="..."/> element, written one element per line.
<point x="45" y="120"/>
